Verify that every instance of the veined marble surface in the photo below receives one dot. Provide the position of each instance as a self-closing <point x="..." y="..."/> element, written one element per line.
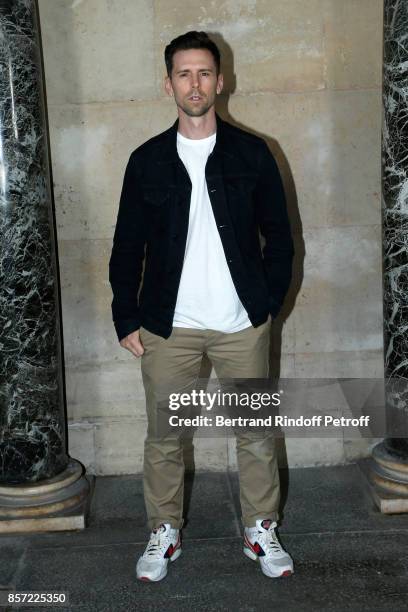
<point x="395" y="213"/>
<point x="32" y="419"/>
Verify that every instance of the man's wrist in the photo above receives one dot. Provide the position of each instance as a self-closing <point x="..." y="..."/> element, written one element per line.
<point x="124" y="327"/>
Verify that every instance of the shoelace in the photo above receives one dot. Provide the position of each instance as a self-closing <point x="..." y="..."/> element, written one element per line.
<point x="270" y="541"/>
<point x="157" y="544"/>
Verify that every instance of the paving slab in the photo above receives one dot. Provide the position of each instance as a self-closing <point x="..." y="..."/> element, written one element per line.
<point x="332" y="572"/>
<point x="11" y="556"/>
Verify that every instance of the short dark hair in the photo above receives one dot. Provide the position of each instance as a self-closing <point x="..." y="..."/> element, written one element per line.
<point x="191" y="40"/>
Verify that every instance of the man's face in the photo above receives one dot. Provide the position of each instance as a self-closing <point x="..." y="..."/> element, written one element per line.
<point x="194" y="82"/>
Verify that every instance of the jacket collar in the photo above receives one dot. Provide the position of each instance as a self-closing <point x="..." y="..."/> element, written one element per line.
<point x="169" y="151"/>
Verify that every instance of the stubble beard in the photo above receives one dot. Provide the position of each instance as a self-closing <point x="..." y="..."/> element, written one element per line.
<point x="194" y="110"/>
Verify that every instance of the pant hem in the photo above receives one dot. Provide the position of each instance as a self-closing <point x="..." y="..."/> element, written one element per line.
<point x="173" y="524"/>
<point x="251" y="521"/>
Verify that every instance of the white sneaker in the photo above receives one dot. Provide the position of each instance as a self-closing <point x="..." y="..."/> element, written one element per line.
<point x="261" y="544"/>
<point x="164" y="545"/>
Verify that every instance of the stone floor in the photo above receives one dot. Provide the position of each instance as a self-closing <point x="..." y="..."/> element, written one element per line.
<point x="347" y="555"/>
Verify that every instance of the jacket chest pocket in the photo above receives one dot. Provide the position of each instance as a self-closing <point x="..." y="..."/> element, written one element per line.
<point x="240" y="186"/>
<point x="158" y="211"/>
<point x="156" y="198"/>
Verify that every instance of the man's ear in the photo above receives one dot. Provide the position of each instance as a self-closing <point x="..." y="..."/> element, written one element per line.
<point x="220" y="83"/>
<point x="167" y="86"/>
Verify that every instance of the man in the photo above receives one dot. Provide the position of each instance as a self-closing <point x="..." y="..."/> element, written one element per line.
<point x="192" y="202"/>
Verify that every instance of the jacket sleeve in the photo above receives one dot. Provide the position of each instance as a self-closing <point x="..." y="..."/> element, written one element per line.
<point x="273" y="222"/>
<point x="126" y="261"/>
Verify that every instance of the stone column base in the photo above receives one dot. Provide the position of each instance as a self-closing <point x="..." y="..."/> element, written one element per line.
<point x="56" y="504"/>
<point x="386" y="476"/>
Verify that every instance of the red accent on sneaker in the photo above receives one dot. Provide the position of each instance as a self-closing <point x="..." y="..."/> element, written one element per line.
<point x="254" y="547"/>
<point x="172" y="549"/>
<point x="257" y="548"/>
<point x="286" y="573"/>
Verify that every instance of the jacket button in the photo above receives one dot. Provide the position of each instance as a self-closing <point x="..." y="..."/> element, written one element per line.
<point x="213" y="190"/>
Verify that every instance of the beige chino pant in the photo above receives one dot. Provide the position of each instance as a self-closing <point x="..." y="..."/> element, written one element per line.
<point x="173" y="365"/>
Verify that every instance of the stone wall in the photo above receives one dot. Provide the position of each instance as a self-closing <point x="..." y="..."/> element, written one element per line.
<point x="306" y="76"/>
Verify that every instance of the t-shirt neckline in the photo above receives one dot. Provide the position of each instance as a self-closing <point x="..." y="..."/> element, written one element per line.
<point x="195" y="141"/>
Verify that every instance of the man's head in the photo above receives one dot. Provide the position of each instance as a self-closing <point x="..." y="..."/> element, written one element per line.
<point x="193" y="69"/>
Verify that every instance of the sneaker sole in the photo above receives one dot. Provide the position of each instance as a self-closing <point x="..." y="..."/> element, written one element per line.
<point x="164" y="573"/>
<point x="283" y="574"/>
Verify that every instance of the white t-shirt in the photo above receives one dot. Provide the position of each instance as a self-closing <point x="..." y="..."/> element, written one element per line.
<point x="207" y="298"/>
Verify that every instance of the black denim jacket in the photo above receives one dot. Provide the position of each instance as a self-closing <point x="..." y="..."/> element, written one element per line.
<point x="246" y="195"/>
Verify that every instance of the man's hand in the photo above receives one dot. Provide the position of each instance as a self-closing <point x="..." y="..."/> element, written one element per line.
<point x="132" y="343"/>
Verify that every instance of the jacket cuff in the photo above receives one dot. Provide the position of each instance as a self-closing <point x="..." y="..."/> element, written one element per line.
<point x="124" y="327"/>
<point x="274" y="307"/>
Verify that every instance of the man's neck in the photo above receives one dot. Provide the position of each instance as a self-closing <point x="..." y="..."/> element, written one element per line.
<point x="197" y="127"/>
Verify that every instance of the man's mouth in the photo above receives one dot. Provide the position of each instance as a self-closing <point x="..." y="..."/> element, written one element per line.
<point x="195" y="98"/>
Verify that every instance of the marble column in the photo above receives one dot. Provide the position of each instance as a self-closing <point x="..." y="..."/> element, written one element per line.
<point x="41" y="487"/>
<point x="388" y="474"/>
